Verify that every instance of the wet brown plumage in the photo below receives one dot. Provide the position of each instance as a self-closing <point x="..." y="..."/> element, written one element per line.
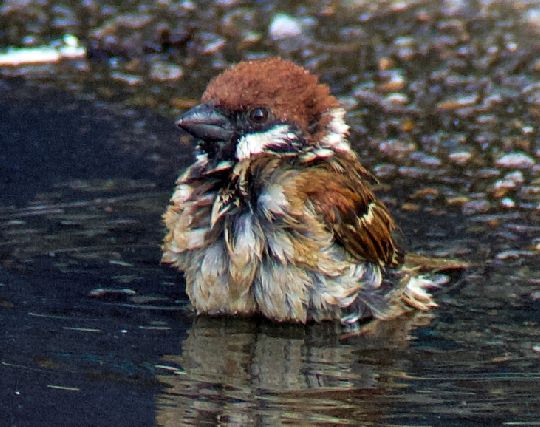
<point x="276" y="215"/>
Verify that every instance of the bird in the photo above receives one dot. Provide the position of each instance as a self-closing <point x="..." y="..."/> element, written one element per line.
<point x="276" y="216"/>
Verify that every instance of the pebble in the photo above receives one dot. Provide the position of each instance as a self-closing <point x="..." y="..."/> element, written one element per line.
<point x="284" y="26"/>
<point x="453" y="7"/>
<point x="457" y="103"/>
<point x="532" y="18"/>
<point x="504" y="184"/>
<point x="487" y="119"/>
<point x="366" y="96"/>
<point x="523" y="228"/>
<point x="405" y="48"/>
<point x="386" y="63"/>
<point x="428" y="193"/>
<point x="412" y="172"/>
<point x="460" y="157"/>
<point x="406" y="53"/>
<point x="133" y="21"/>
<point x="129" y="79"/>
<point x="249" y="39"/>
<point x="457" y="200"/>
<point x="214" y="46"/>
<point x="407" y="125"/>
<point x="404" y="41"/>
<point x="487" y="173"/>
<point x="384" y="170"/>
<point x="394" y="82"/>
<point x="515" y="160"/>
<point x="410" y="207"/>
<point x="400" y="6"/>
<point x="425" y="159"/>
<point x="227" y="3"/>
<point x="516" y="177"/>
<point x="187" y="5"/>
<point x="507" y="202"/>
<point x="396" y="148"/>
<point x="163" y="71"/>
<point x="514" y="254"/>
<point x="509" y="182"/>
<point x="531" y="88"/>
<point x="475" y="207"/>
<point x="397" y="99"/>
<point x="529" y="192"/>
<point x="534" y="99"/>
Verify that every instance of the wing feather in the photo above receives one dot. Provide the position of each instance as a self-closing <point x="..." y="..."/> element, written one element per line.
<point x="340" y="194"/>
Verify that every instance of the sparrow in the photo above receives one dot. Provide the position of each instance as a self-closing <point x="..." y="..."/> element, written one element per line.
<point x="276" y="215"/>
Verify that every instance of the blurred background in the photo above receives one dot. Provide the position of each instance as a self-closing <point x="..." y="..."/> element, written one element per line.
<point x="444" y="102"/>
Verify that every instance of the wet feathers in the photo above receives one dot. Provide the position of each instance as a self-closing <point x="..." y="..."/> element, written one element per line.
<point x="277" y="217"/>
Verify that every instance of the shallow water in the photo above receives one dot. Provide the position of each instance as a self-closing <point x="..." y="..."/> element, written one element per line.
<point x="96" y="332"/>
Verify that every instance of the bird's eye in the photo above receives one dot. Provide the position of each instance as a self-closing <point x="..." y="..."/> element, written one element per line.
<point x="258" y="115"/>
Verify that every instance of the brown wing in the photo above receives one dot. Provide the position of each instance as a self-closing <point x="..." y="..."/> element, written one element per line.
<point x="340" y="194"/>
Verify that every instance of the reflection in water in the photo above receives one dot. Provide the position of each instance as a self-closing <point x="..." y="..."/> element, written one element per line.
<point x="237" y="371"/>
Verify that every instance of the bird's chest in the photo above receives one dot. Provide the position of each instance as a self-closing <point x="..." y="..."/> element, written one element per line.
<point x="235" y="246"/>
<point x="236" y="234"/>
<point x="252" y="216"/>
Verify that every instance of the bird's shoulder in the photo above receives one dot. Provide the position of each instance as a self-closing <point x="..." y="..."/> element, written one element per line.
<point x="336" y="193"/>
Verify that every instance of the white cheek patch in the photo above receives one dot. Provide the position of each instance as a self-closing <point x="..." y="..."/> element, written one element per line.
<point x="337" y="131"/>
<point x="256" y="142"/>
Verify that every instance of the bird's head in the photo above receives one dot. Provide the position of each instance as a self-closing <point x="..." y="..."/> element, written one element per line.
<point x="265" y="107"/>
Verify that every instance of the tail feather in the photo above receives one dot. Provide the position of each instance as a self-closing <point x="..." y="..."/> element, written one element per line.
<point x="411" y="293"/>
<point x="415" y="293"/>
<point x="408" y="290"/>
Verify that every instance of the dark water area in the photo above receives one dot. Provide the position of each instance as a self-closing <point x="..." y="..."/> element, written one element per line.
<point x="443" y="99"/>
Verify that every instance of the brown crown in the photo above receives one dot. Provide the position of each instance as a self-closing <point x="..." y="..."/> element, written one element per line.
<point x="290" y="91"/>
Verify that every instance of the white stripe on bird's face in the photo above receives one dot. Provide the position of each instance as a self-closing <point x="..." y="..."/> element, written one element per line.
<point x="335" y="138"/>
<point x="256" y="142"/>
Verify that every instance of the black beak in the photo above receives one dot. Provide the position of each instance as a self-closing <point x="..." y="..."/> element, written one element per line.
<point x="206" y="122"/>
